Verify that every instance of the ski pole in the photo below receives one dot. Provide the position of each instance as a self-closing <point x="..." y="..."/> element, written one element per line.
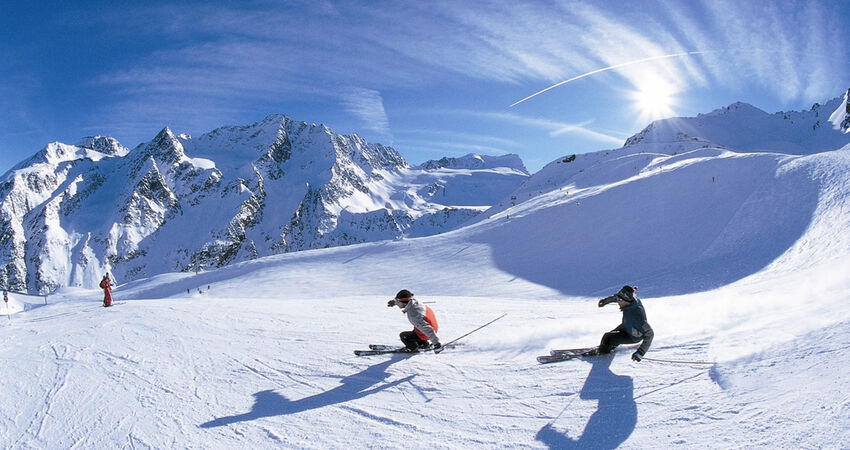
<point x="473" y="331"/>
<point x="678" y="362"/>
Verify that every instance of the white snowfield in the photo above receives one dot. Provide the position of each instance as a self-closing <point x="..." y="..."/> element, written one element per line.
<point x="742" y="263"/>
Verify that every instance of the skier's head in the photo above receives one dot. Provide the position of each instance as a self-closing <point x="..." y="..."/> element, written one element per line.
<point x="404" y="296"/>
<point x="627" y="293"/>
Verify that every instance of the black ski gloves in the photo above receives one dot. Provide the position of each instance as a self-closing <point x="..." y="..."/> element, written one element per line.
<point x="638" y="355"/>
<point x="391" y="303"/>
<point x="607" y="300"/>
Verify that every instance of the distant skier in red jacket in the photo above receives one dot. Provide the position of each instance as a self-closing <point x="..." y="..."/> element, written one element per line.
<point x="107" y="290"/>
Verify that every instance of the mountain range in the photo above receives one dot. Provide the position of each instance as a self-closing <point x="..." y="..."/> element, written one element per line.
<point x="72" y="212"/>
<point x="176" y="203"/>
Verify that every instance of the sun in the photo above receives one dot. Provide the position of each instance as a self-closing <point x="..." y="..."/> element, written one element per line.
<point x="654" y="99"/>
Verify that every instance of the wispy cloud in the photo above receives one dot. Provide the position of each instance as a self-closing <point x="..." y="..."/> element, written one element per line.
<point x="555" y="128"/>
<point x="793" y="49"/>
<point x="752" y="43"/>
<point x="368" y="106"/>
<point x="440" y="143"/>
<point x="242" y="61"/>
<point x="532" y="41"/>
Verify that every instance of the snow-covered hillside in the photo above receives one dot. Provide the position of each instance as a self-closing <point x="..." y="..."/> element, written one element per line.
<point x="740" y="257"/>
<point x="70" y="213"/>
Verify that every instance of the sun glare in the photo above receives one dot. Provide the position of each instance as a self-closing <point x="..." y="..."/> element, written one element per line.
<point x="654" y="99"/>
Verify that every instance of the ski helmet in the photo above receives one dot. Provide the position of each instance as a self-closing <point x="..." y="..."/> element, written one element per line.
<point x="627" y="293"/>
<point x="404" y="295"/>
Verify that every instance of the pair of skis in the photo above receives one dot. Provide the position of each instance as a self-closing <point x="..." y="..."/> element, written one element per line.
<point x="379" y="349"/>
<point x="375" y="349"/>
<point x="554" y="356"/>
<point x="568" y="354"/>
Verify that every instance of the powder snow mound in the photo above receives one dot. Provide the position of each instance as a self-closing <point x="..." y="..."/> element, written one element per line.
<point x="673" y="223"/>
<point x="676" y="212"/>
<point x="741" y="126"/>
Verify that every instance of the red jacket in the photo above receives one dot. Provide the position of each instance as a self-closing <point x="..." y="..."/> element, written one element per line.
<point x="107" y="291"/>
<point x="431" y="319"/>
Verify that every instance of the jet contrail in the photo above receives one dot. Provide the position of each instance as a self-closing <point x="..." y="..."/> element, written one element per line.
<point x="616" y="66"/>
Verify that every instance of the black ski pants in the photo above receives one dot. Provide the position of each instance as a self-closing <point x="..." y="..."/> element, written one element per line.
<point x="613" y="338"/>
<point x="411" y="340"/>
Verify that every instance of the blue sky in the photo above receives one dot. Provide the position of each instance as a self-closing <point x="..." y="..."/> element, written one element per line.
<point x="431" y="79"/>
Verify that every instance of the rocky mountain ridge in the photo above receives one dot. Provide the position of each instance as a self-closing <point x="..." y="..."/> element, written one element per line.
<point x="72" y="212"/>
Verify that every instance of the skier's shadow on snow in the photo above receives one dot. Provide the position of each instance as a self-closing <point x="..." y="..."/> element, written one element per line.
<point x="269" y="403"/>
<point x="615" y="417"/>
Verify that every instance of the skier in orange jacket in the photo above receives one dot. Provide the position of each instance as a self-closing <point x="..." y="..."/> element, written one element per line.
<point x="423" y="320"/>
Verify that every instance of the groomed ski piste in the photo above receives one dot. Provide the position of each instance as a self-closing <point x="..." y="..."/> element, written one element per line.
<point x="741" y="260"/>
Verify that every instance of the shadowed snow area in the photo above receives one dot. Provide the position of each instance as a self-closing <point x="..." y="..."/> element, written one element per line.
<point x="679" y="225"/>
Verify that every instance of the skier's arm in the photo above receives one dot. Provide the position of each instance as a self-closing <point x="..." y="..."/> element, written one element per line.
<point x="648" y="334"/>
<point x="608" y="300"/>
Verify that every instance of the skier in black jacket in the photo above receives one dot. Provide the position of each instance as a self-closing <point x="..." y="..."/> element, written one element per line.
<point x="634" y="328"/>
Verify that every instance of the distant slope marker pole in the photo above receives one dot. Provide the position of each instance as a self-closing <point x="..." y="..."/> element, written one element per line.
<point x="467" y="334"/>
<point x="6" y="301"/>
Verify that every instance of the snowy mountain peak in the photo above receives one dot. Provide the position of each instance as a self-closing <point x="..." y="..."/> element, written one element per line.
<point x="92" y="148"/>
<point x="275" y="119"/>
<point x="840" y="118"/>
<point x="233" y="194"/>
<point x="476" y="161"/>
<point x="165" y="148"/>
<point x="742" y="126"/>
<point x="735" y="108"/>
<point x="103" y="144"/>
<point x="57" y="152"/>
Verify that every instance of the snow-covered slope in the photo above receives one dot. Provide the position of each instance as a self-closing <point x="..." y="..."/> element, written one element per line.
<point x="258" y="353"/>
<point x="740" y="257"/>
<point x="70" y="213"/>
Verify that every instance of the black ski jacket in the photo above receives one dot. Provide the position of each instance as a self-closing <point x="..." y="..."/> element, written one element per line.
<point x="635" y="324"/>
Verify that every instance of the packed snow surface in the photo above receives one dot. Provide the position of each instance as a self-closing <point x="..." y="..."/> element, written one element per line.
<point x="741" y="260"/>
